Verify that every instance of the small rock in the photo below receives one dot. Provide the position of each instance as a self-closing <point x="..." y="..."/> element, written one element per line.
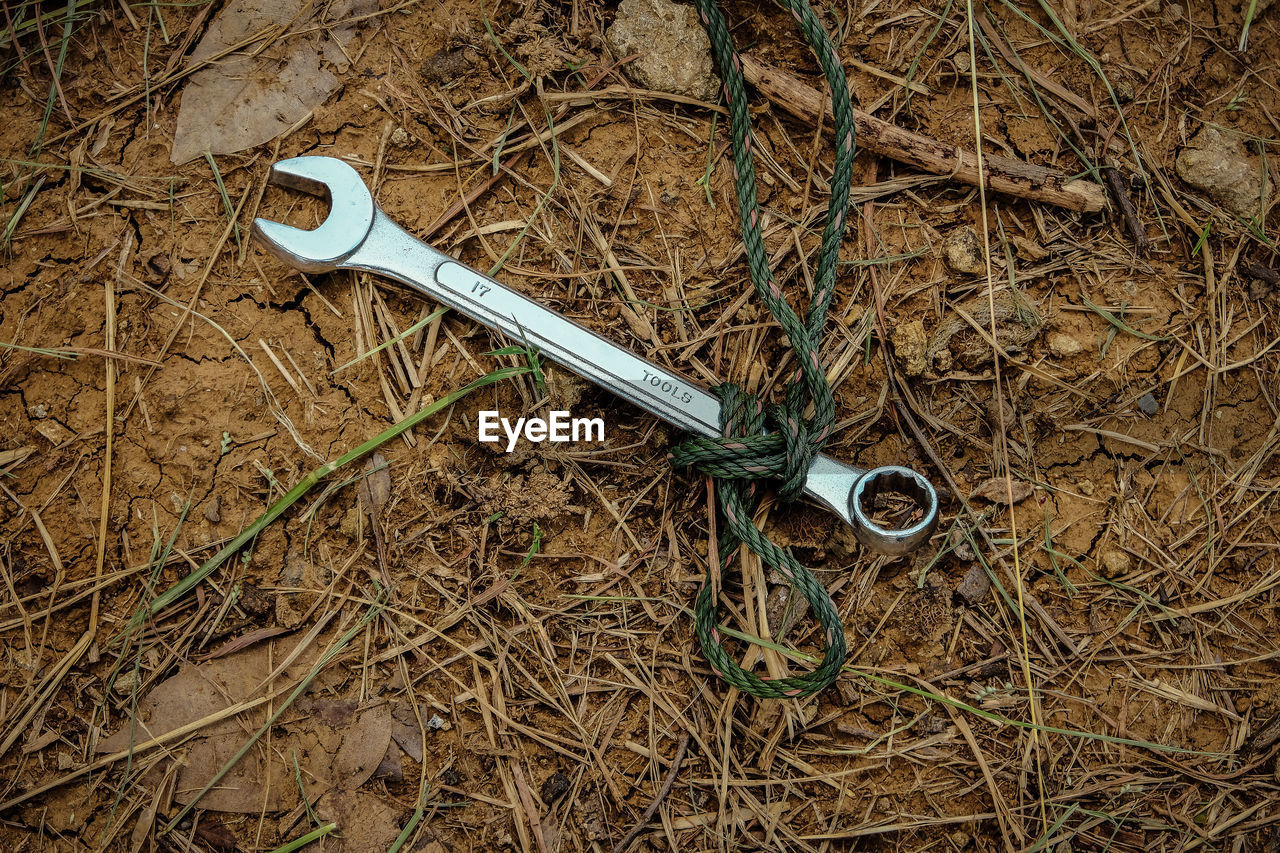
<point x="1147" y="404"/>
<point x="963" y="252"/>
<point x="1218" y="166"/>
<point x="910" y="344"/>
<point x="675" y="53"/>
<point x="1063" y="345"/>
<point x="976" y="584"/>
<point x="38" y="411"/>
<point x="126" y="682"/>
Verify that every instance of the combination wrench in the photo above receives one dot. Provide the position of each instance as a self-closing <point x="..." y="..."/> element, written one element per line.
<point x="357" y="235"/>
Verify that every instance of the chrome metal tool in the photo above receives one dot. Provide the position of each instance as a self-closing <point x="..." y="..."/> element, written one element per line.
<point x="357" y="235"/>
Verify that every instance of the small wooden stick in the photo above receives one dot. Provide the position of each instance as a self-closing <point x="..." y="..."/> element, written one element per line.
<point x="1004" y="174"/>
<point x="629" y="839"/>
<point x="1121" y="194"/>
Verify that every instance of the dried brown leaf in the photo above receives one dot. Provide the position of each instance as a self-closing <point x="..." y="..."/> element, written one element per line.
<point x="375" y="486"/>
<point x="997" y="490"/>
<point x="337" y="745"/>
<point x="248" y="97"/>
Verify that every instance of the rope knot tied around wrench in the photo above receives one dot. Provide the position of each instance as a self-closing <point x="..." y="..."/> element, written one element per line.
<point x="747" y="452"/>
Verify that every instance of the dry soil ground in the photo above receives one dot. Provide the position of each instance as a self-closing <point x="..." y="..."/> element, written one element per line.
<point x="493" y="649"/>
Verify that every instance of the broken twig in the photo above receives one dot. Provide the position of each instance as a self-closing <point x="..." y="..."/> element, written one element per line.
<point x="1003" y="174"/>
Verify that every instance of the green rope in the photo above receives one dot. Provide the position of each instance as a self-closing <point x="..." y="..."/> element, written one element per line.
<point x="747" y="453"/>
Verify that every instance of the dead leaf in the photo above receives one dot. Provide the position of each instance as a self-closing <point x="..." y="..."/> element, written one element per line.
<point x="217" y="835"/>
<point x="336" y="744"/>
<point x="375" y="485"/>
<point x="249" y="97"/>
<point x="997" y="490"/>
<point x="405" y="731"/>
<point x="364" y="821"/>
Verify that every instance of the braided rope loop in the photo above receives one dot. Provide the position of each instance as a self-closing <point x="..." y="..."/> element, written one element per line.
<point x="746" y="453"/>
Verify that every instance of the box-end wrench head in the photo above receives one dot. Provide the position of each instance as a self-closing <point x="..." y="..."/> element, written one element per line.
<point x="358" y="235"/>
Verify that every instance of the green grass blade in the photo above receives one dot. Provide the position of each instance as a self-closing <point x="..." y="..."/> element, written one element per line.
<point x="188" y="583"/>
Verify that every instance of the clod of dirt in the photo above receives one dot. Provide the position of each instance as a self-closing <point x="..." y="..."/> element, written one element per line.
<point x="1115" y="563"/>
<point x="534" y="44"/>
<point x="298" y="573"/>
<point x="910" y="345"/>
<point x="524" y="501"/>
<point x="1217" y="165"/>
<point x="445" y="66"/>
<point x="1063" y="345"/>
<point x="1018" y="322"/>
<point x="925" y="616"/>
<point x="962" y="251"/>
<point x="556" y="786"/>
<point x="566" y="388"/>
<point x="674" y="51"/>
<point x="213" y="511"/>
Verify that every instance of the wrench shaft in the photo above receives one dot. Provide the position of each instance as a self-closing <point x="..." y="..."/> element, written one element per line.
<point x="391" y="251"/>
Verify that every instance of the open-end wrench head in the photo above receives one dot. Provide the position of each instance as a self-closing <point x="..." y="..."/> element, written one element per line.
<point x="350" y="218"/>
